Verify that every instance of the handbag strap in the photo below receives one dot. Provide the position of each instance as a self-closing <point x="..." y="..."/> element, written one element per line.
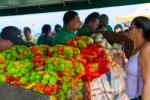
<point x="138" y="81"/>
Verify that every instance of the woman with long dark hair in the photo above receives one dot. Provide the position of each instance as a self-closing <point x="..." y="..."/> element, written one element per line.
<point x="45" y="38"/>
<point x="138" y="66"/>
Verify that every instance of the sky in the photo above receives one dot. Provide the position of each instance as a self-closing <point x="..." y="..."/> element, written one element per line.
<point x="36" y="21"/>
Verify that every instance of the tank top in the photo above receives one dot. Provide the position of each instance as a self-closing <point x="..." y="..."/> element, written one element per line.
<point x="134" y="80"/>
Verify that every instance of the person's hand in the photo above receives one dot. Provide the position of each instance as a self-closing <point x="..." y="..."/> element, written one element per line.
<point x="5" y="44"/>
<point x="118" y="59"/>
<point x="69" y="41"/>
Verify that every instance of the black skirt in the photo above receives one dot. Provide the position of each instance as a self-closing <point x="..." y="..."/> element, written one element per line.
<point x="138" y="98"/>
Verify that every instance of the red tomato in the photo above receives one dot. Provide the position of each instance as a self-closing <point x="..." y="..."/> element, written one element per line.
<point x="39" y="87"/>
<point x="60" y="48"/>
<point x="58" y="86"/>
<point x="60" y="52"/>
<point x="36" y="59"/>
<point x="95" y="74"/>
<point x="1" y="62"/>
<point x="17" y="83"/>
<point x="35" y="50"/>
<point x="77" y="37"/>
<point x="50" y="54"/>
<point x="4" y="69"/>
<point x="55" y="62"/>
<point x="16" y="78"/>
<point x="47" y="90"/>
<point x="9" y="79"/>
<point x="54" y="87"/>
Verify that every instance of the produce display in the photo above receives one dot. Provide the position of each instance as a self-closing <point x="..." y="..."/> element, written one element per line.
<point x="60" y="70"/>
<point x="110" y="86"/>
<point x="95" y="57"/>
<point x="43" y="69"/>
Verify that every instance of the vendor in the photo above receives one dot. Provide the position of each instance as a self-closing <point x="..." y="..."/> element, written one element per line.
<point x="90" y="25"/>
<point x="103" y="24"/>
<point x="13" y="34"/>
<point x="72" y="23"/>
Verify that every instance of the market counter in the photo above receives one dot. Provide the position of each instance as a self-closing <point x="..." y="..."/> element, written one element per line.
<point x="9" y="92"/>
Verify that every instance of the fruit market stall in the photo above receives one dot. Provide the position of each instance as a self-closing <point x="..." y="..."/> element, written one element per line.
<point x="81" y="69"/>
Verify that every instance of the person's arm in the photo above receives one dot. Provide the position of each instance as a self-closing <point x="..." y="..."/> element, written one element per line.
<point x="111" y="37"/>
<point x="5" y="44"/>
<point x="144" y="61"/>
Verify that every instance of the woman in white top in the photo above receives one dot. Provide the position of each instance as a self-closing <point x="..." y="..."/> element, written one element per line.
<point x="138" y="67"/>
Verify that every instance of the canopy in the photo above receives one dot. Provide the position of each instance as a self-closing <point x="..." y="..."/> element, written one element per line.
<point x="143" y="10"/>
<point x="8" y="4"/>
<point x="19" y="7"/>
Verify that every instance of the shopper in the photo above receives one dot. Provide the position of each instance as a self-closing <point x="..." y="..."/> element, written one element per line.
<point x="27" y="35"/>
<point x="72" y="23"/>
<point x="138" y="66"/>
<point x="118" y="28"/>
<point x="103" y="24"/>
<point x="13" y="34"/>
<point x="90" y="25"/>
<point x="57" y="28"/>
<point x="5" y="44"/>
<point x="45" y="38"/>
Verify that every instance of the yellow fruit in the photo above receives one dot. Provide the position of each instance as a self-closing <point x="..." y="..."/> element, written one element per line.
<point x="83" y="37"/>
<point x="88" y="40"/>
<point x="18" y="64"/>
<point x="81" y="44"/>
<point x="94" y="65"/>
<point x="39" y="68"/>
<point x="52" y="97"/>
<point x="2" y="57"/>
<point x="29" y="86"/>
